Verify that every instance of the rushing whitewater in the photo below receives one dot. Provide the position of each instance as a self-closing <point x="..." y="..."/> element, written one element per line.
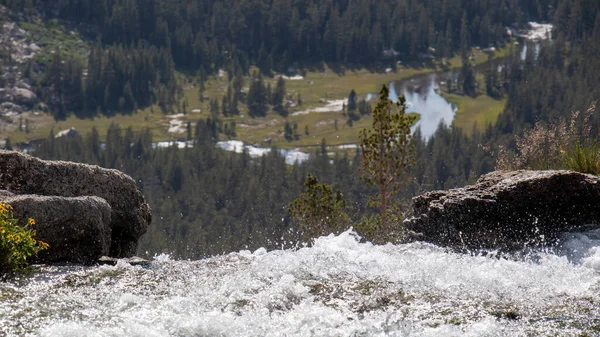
<point x="338" y="287"/>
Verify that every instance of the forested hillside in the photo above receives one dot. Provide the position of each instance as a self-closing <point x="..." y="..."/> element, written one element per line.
<point x="201" y="37"/>
<point x="206" y="201"/>
<point x="276" y="33"/>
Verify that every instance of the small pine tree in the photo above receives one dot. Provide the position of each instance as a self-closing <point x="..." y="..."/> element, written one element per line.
<point x="288" y="133"/>
<point x="257" y="97"/>
<point x="201" y="89"/>
<point x="278" y="97"/>
<point x="352" y="101"/>
<point x="388" y="151"/>
<point x="224" y="109"/>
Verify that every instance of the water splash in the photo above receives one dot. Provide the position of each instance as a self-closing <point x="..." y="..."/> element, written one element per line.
<point x="337" y="287"/>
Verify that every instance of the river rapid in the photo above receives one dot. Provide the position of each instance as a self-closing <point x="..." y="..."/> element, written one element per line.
<point x="337" y="287"/>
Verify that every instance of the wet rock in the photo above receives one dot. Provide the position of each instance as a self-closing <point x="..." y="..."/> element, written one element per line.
<point x="130" y="214"/>
<point x="77" y="229"/>
<point x="134" y="261"/>
<point x="508" y="210"/>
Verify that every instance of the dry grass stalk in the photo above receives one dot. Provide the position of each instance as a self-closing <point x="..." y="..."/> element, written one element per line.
<point x="559" y="145"/>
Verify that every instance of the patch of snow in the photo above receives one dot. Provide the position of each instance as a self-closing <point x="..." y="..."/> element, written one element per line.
<point x="232" y="145"/>
<point x="291" y="156"/>
<point x="293" y="78"/>
<point x="256" y="152"/>
<point x="238" y="146"/>
<point x="177" y="126"/>
<point x="333" y="105"/>
<point x="179" y="144"/>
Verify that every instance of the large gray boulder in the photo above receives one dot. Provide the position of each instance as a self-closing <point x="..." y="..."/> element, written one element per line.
<point x="18" y="95"/>
<point x="77" y="229"/>
<point x="508" y="210"/>
<point x="24" y="96"/>
<point x="130" y="214"/>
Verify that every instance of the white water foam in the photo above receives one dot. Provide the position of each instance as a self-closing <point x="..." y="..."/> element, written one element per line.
<point x="337" y="287"/>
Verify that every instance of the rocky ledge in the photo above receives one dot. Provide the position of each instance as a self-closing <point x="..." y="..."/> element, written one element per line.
<point x="508" y="210"/>
<point x="82" y="211"/>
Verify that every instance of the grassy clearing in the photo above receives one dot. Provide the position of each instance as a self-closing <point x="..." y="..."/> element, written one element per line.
<point x="40" y="126"/>
<point x="316" y="86"/>
<point x="482" y="110"/>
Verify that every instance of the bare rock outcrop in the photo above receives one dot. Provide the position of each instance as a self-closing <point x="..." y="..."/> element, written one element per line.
<point x="18" y="95"/>
<point x="130" y="214"/>
<point x="24" y="96"/>
<point x="508" y="210"/>
<point x="77" y="229"/>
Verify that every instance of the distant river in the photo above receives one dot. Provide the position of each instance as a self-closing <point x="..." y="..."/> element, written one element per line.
<point x="421" y="97"/>
<point x="421" y="92"/>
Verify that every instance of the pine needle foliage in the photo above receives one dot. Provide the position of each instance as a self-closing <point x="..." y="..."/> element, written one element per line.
<point x="320" y="210"/>
<point x="388" y="152"/>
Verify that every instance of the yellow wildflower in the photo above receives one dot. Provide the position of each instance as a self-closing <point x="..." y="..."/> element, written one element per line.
<point x="43" y="245"/>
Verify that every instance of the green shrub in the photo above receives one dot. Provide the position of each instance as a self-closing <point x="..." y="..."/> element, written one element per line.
<point x="369" y="227"/>
<point x="584" y="157"/>
<point x="17" y="242"/>
<point x="320" y="210"/>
